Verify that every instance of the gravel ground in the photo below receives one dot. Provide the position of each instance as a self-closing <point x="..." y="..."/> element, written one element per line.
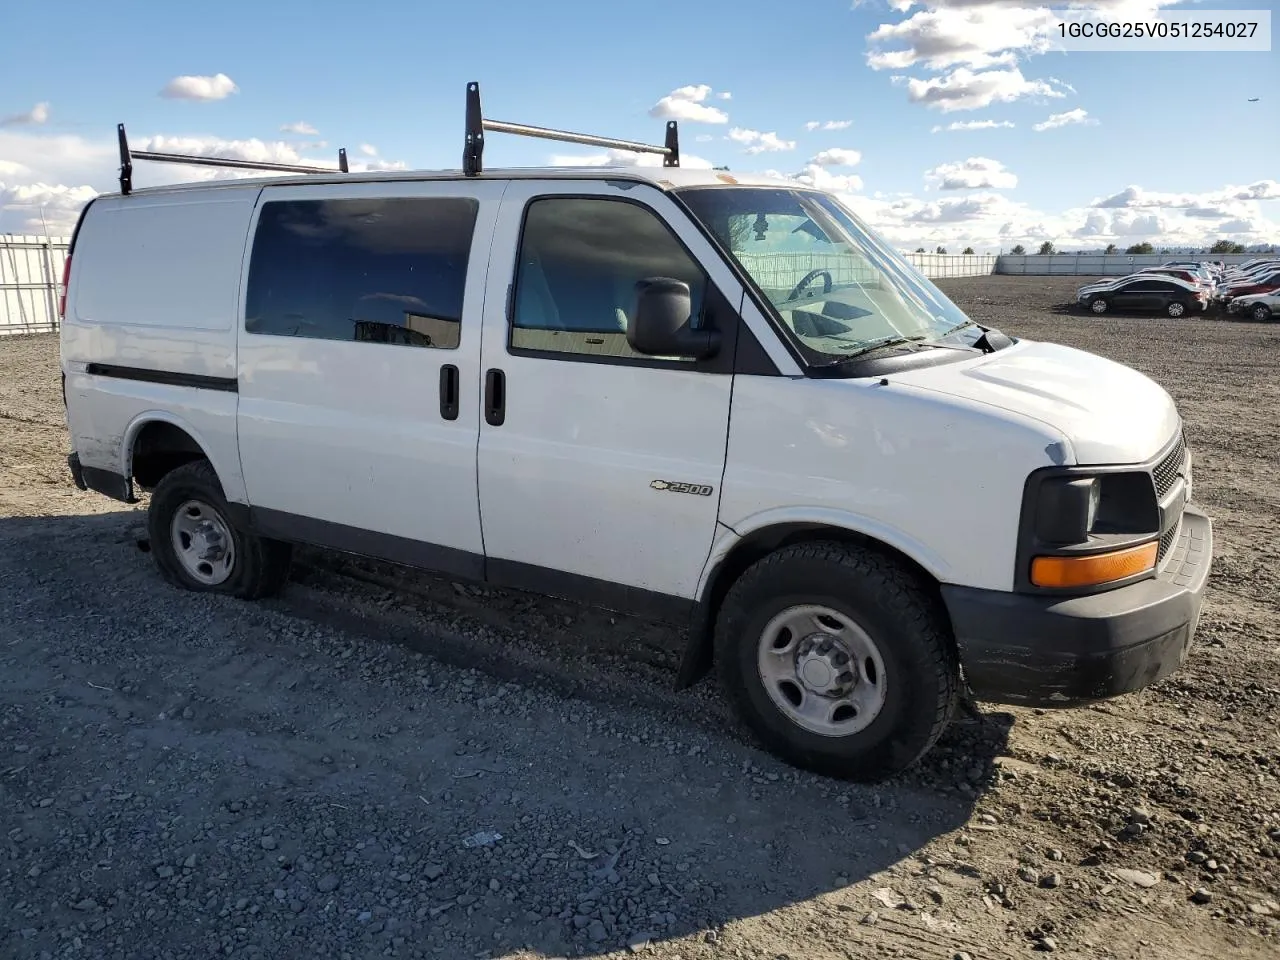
<point x="381" y="763"/>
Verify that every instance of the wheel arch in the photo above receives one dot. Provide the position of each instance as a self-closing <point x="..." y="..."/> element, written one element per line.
<point x="156" y="442"/>
<point x="726" y="565"/>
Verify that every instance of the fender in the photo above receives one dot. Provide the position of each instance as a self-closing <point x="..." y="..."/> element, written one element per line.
<point x="730" y="536"/>
<point x="228" y="473"/>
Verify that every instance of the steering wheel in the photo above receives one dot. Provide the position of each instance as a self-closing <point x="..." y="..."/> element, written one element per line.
<point x="807" y="278"/>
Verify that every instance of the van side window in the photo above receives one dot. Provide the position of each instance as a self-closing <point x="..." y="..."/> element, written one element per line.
<point x="580" y="261"/>
<point x="381" y="270"/>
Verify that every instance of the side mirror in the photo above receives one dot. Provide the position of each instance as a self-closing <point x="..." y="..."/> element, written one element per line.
<point x="660" y="322"/>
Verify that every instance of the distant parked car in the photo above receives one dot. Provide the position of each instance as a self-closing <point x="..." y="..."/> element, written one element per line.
<point x="1236" y="274"/>
<point x="1143" y="292"/>
<point x="1258" y="306"/>
<point x="1263" y="282"/>
<point x="1195" y="275"/>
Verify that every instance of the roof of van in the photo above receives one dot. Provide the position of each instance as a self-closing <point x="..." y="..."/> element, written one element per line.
<point x="665" y="178"/>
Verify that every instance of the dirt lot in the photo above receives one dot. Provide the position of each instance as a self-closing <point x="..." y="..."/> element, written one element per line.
<point x="191" y="777"/>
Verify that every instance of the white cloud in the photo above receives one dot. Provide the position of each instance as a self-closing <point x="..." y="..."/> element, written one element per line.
<point x="828" y="125"/>
<point x="974" y="125"/>
<point x="1250" y="227"/>
<point x="189" y="87"/>
<point x="963" y="89"/>
<point x="978" y="36"/>
<point x="301" y="128"/>
<point x="368" y="149"/>
<point x="58" y="158"/>
<point x="725" y="95"/>
<point x="36" y="116"/>
<point x="837" y="157"/>
<point x="253" y="149"/>
<point x="1229" y="196"/>
<point x="972" y="174"/>
<point x="757" y="142"/>
<point x="821" y="178"/>
<point x="623" y="158"/>
<point x="686" y="103"/>
<point x="1078" y="116"/>
<point x="33" y="208"/>
<point x="375" y="165"/>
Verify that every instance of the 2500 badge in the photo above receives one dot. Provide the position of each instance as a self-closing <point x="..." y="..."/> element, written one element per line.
<point x="677" y="486"/>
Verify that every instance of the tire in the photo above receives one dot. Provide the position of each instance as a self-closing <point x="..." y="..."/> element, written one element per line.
<point x="1175" y="308"/>
<point x="907" y="692"/>
<point x="1098" y="305"/>
<point x="188" y="506"/>
<point x="1260" y="312"/>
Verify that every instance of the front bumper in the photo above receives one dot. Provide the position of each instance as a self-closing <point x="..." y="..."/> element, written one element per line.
<point x="1054" y="652"/>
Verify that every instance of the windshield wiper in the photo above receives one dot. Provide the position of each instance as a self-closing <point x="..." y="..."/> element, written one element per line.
<point x="958" y="327"/>
<point x="876" y="345"/>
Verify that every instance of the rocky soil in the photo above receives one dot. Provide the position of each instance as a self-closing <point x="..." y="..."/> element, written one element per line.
<point x="387" y="764"/>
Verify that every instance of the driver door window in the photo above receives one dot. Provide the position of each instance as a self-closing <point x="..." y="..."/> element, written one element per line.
<point x="580" y="259"/>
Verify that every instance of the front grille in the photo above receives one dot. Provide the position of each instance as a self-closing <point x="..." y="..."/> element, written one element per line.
<point x="1167" y="540"/>
<point x="1166" y="471"/>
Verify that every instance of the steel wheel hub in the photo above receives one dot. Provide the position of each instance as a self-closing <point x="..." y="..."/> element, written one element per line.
<point x="202" y="543"/>
<point x="821" y="670"/>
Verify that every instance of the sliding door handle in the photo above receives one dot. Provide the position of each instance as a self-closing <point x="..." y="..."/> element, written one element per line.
<point x="449" y="392"/>
<point x="495" y="397"/>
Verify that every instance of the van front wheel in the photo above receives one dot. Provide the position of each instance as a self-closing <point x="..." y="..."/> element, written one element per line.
<point x="197" y="547"/>
<point x="838" y="660"/>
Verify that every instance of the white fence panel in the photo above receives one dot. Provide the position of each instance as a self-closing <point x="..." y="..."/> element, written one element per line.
<point x="782" y="270"/>
<point x="1101" y="264"/>
<point x="30" y="283"/>
<point x="940" y="265"/>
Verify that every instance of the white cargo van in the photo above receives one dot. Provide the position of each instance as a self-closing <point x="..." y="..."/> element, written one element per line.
<point x="680" y="393"/>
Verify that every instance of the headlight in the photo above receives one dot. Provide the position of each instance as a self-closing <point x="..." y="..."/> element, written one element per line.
<point x="1067" y="510"/>
<point x="1088" y="531"/>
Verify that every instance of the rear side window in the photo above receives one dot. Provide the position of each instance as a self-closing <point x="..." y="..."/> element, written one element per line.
<point x="383" y="270"/>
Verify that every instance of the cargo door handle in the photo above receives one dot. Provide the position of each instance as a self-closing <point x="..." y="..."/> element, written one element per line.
<point x="495" y="397"/>
<point x="449" y="392"/>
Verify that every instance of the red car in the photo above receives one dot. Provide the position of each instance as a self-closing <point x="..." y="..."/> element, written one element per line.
<point x="1263" y="284"/>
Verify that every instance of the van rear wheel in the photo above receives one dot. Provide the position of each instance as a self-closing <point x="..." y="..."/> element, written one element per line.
<point x="838" y="660"/>
<point x="196" y="546"/>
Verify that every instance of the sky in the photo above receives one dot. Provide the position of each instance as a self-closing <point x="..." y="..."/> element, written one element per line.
<point x="942" y="122"/>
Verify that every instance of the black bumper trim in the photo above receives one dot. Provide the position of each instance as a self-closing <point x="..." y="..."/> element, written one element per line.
<point x="77" y="472"/>
<point x="1053" y="651"/>
<point x="109" y="484"/>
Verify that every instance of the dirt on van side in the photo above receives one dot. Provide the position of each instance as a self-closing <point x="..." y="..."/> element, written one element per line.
<point x="383" y="763"/>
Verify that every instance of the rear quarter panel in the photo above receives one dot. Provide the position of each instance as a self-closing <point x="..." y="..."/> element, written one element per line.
<point x="155" y="283"/>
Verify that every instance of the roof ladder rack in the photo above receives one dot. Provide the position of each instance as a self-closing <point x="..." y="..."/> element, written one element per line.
<point x="473" y="150"/>
<point x="127" y="157"/>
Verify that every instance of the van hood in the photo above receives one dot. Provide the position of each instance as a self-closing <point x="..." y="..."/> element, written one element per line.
<point x="1106" y="411"/>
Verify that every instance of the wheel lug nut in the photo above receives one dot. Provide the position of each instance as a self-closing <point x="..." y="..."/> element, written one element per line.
<point x="841" y="659"/>
<point x="845" y="677"/>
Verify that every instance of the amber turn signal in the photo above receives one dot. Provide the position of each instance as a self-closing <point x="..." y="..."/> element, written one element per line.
<point x="1094" y="569"/>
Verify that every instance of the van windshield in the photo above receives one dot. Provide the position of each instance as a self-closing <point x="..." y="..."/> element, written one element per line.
<point x="837" y="287"/>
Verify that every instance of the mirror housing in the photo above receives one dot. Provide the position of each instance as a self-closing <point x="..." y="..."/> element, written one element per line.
<point x="660" y="323"/>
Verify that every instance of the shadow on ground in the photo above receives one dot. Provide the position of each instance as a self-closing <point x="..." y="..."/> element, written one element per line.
<point x="258" y="750"/>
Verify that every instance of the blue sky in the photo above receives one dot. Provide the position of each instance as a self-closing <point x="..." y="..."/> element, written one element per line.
<point x="1167" y="142"/>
